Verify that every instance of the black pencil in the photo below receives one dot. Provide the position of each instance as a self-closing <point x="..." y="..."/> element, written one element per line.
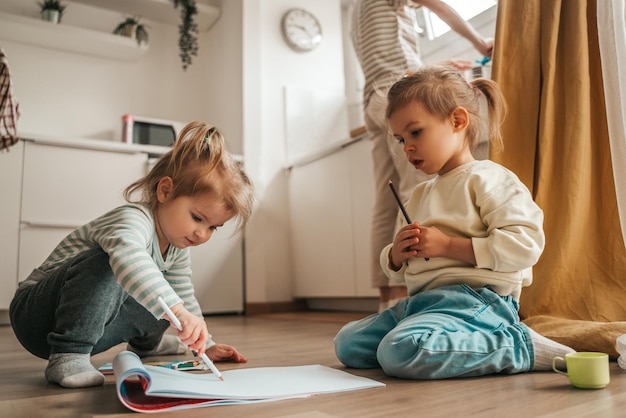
<point x="402" y="208"/>
<point x="395" y="194"/>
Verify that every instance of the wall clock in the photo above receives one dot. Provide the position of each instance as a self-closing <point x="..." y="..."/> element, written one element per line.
<point x="301" y="30"/>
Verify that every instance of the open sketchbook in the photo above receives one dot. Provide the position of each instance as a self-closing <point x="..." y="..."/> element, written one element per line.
<point x="145" y="388"/>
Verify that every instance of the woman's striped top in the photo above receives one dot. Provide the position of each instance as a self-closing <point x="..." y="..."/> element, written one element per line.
<point x="385" y="38"/>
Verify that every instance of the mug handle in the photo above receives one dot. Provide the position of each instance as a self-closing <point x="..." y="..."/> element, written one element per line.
<point x="554" y="360"/>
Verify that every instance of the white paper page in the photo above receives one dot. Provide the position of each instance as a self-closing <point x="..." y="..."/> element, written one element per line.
<point x="255" y="383"/>
<point x="252" y="383"/>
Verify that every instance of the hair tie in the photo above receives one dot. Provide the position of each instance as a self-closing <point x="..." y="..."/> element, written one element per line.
<point x="475" y="87"/>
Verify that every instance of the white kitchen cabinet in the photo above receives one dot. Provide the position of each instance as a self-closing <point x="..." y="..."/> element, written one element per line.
<point x="66" y="187"/>
<point x="217" y="271"/>
<point x="321" y="228"/>
<point x="10" y="190"/>
<point x="331" y="202"/>
<point x="362" y="188"/>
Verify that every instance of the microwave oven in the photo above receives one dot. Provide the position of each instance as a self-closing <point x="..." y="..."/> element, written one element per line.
<point x="150" y="131"/>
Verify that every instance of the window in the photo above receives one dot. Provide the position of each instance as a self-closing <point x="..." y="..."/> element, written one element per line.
<point x="435" y="27"/>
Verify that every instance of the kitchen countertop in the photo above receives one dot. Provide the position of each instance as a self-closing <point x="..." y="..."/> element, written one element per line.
<point x="95" y="144"/>
<point x="154" y="151"/>
<point x="356" y="135"/>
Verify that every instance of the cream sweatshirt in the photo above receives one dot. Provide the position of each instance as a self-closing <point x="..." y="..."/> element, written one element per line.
<point x="488" y="203"/>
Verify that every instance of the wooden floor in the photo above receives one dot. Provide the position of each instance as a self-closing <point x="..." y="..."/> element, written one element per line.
<point x="306" y="338"/>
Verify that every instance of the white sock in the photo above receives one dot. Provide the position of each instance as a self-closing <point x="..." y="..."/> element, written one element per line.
<point x="169" y="344"/>
<point x="546" y="349"/>
<point x="73" y="370"/>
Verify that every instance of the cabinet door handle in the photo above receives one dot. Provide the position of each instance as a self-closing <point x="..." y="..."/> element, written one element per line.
<point x="50" y="224"/>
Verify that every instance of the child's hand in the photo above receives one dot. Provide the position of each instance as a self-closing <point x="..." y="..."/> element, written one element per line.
<point x="418" y="241"/>
<point x="431" y="242"/>
<point x="434" y="243"/>
<point x="194" y="333"/>
<point x="405" y="245"/>
<point x="223" y="352"/>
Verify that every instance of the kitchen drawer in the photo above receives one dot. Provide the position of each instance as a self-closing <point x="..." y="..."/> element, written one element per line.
<point x="36" y="244"/>
<point x="71" y="185"/>
<point x="64" y="188"/>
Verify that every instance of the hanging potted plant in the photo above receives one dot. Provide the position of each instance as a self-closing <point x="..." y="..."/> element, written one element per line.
<point x="134" y="29"/>
<point x="188" y="30"/>
<point x="52" y="10"/>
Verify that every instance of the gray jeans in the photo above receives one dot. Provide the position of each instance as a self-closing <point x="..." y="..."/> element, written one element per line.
<point x="80" y="308"/>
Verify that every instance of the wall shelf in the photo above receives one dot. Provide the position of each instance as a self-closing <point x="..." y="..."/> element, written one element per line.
<point x="158" y="10"/>
<point x="69" y="38"/>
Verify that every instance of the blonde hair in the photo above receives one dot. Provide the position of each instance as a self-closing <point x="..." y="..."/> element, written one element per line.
<point x="440" y="89"/>
<point x="199" y="163"/>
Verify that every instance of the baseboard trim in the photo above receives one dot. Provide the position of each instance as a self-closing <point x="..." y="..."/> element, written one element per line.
<point x="361" y="304"/>
<point x="4" y="317"/>
<point x="260" y="308"/>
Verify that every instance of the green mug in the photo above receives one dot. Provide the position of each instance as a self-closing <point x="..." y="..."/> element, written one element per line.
<point x="585" y="370"/>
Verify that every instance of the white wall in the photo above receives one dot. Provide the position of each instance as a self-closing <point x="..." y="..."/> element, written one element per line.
<point x="269" y="66"/>
<point x="250" y="65"/>
<point x="223" y="60"/>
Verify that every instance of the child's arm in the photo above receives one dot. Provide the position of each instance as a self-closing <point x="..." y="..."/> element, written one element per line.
<point x="451" y="17"/>
<point x="434" y="243"/>
<point x="126" y="235"/>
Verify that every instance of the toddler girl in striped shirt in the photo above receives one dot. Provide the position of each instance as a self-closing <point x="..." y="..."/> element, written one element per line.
<point x="100" y="286"/>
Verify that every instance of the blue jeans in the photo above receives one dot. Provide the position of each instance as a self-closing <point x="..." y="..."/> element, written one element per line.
<point x="452" y="331"/>
<point x="80" y="308"/>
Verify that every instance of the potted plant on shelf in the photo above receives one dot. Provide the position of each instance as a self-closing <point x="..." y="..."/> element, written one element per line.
<point x="133" y="28"/>
<point x="52" y="10"/>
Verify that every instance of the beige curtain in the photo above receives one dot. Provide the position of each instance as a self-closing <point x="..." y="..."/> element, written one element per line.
<point x="547" y="62"/>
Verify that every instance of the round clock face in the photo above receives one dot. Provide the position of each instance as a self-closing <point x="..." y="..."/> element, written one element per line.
<point x="301" y="30"/>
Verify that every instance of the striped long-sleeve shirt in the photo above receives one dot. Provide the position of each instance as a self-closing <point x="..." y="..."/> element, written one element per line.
<point x="386" y="41"/>
<point x="128" y="235"/>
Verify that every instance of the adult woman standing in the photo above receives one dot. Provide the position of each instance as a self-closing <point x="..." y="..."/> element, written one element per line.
<point x="386" y="42"/>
